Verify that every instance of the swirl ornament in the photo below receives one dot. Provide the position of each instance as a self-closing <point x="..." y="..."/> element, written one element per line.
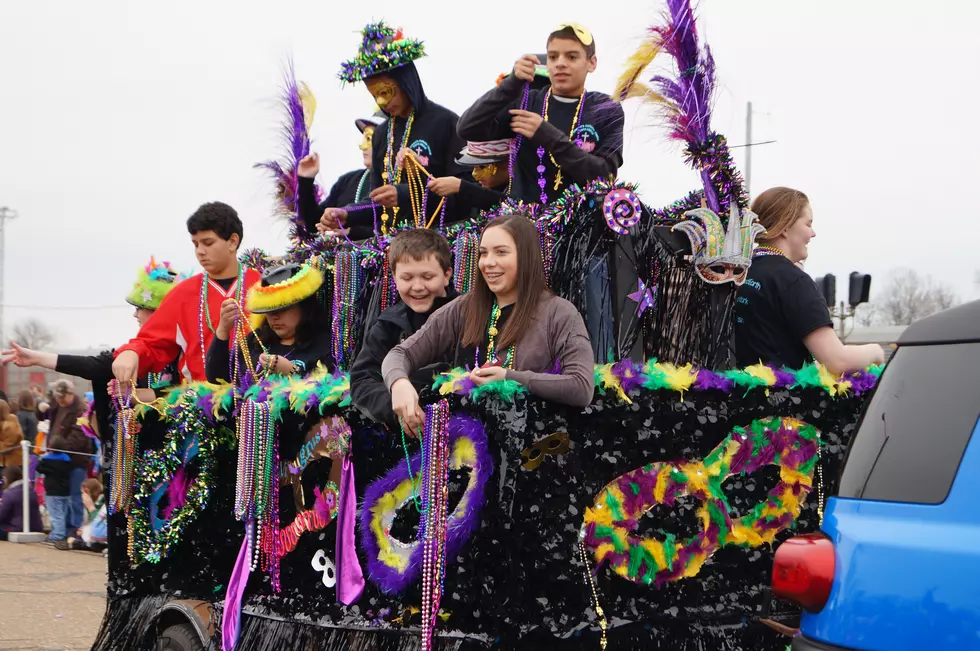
<point x="621" y="210"/>
<point x="611" y="522"/>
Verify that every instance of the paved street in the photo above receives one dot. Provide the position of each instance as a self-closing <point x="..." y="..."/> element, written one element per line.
<point x="49" y="599"/>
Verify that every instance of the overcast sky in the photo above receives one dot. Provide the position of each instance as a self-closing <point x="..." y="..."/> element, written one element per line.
<point x="117" y="119"/>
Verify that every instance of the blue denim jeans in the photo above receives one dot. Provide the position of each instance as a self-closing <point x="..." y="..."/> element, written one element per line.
<point x="76" y="515"/>
<point x="58" y="507"/>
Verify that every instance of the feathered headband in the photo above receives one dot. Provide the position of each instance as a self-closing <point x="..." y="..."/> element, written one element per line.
<point x="283" y="287"/>
<point x="382" y="49"/>
<point x="153" y="282"/>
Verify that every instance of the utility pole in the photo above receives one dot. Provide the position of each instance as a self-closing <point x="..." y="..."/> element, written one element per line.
<point x="5" y="214"/>
<point x="748" y="150"/>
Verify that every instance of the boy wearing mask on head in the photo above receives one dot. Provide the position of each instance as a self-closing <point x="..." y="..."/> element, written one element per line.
<point x="421" y="264"/>
<point x="567" y="135"/>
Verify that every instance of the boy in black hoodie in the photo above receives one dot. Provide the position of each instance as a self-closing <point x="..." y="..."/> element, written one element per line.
<point x="421" y="264"/>
<point x="567" y="135"/>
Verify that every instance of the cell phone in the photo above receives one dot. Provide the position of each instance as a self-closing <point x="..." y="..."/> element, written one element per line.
<point x="491" y="364"/>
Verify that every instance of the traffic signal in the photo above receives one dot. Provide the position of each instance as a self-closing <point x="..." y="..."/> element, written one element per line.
<point x="859" y="290"/>
<point x="828" y="287"/>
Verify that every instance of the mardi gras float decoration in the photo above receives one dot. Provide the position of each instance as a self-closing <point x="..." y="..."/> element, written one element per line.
<point x="654" y="511"/>
<point x="645" y="520"/>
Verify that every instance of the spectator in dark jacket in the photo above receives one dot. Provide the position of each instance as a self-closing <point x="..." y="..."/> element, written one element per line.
<point x="66" y="435"/>
<point x="25" y="408"/>
<point x="57" y="469"/>
<point x="12" y="503"/>
<point x="421" y="266"/>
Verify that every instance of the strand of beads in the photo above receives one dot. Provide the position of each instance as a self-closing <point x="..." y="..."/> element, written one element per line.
<point x="348" y="280"/>
<point x="256" y="491"/>
<point x="547" y="239"/>
<point x="466" y="259"/>
<point x="515" y="143"/>
<point x="204" y="310"/>
<point x="432" y="529"/>
<point x="124" y="450"/>
<point x="590" y="581"/>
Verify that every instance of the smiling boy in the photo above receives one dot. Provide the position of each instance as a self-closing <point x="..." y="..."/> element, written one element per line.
<point x="421" y="264"/>
<point x="180" y="326"/>
<point x="568" y="135"/>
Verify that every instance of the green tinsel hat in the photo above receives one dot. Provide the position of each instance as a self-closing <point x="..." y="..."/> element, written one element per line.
<point x="383" y="48"/>
<point x="155" y="281"/>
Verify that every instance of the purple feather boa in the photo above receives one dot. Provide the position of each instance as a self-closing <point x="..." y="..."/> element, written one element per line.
<point x="460" y="526"/>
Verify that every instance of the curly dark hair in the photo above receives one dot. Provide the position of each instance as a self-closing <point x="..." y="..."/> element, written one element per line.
<point x="218" y="217"/>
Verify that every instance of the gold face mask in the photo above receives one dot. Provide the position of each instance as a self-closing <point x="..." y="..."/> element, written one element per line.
<point x="481" y="172"/>
<point x="383" y="91"/>
<point x="366" y="140"/>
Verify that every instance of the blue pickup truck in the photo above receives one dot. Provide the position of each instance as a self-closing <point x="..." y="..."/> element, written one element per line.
<point x="897" y="562"/>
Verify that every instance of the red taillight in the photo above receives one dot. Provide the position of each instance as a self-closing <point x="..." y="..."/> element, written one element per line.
<point x="803" y="571"/>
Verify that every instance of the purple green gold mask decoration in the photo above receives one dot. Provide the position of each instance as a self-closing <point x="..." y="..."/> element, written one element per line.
<point x="721" y="256"/>
<point x="609" y="529"/>
<point x="394" y="564"/>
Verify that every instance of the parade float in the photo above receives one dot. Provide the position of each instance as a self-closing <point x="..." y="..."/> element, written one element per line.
<point x="646" y="520"/>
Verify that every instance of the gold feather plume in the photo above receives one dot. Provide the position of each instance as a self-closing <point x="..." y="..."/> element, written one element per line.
<point x="627" y="86"/>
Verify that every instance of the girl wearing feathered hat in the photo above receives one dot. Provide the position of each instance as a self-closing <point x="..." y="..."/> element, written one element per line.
<point x="291" y="338"/>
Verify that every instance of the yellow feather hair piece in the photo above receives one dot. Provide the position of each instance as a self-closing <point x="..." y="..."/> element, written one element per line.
<point x="627" y="86"/>
<point x="270" y="298"/>
<point x="308" y="101"/>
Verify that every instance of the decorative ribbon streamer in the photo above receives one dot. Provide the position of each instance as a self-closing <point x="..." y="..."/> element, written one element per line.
<point x="350" y="577"/>
<point x="231" y="619"/>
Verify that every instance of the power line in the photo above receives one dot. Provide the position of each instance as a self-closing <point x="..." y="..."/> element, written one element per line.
<point x="115" y="306"/>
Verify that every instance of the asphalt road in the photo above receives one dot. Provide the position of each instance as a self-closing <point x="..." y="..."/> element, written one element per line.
<point x="49" y="599"/>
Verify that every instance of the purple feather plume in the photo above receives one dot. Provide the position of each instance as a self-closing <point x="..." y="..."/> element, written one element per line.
<point x="297" y="139"/>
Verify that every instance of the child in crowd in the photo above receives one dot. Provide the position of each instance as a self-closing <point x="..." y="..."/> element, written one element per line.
<point x="12" y="503"/>
<point x="56" y="468"/>
<point x="94" y="534"/>
<point x="10" y="436"/>
<point x="421" y="264"/>
<point x="510" y="326"/>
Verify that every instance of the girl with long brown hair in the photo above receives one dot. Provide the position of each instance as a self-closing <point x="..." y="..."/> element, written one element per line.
<point x="780" y="317"/>
<point x="510" y="326"/>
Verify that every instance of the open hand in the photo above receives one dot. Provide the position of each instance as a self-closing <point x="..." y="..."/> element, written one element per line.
<point x="20" y="356"/>
<point x="444" y="186"/>
<point x="309" y="166"/>
<point x="488" y="374"/>
<point x="405" y="404"/>
<point x="386" y="195"/>
<point x="524" y="67"/>
<point x="525" y="123"/>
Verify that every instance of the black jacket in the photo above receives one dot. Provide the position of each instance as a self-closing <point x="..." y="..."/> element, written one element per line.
<point x="393" y="326"/>
<point x="98" y="370"/>
<point x="343" y="193"/>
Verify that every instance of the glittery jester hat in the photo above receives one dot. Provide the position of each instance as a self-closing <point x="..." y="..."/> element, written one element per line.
<point x="720" y="256"/>
<point x="383" y="48"/>
<point x="154" y="281"/>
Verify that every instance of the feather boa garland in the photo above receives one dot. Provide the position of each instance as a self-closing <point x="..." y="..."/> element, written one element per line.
<point x="622" y="378"/>
<point x="321" y="389"/>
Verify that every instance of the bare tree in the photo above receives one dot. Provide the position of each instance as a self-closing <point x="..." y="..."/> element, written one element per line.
<point x="32" y="333"/>
<point x="867" y="315"/>
<point x="909" y="296"/>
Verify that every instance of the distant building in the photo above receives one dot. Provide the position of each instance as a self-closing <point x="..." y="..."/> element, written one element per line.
<point x="885" y="336"/>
